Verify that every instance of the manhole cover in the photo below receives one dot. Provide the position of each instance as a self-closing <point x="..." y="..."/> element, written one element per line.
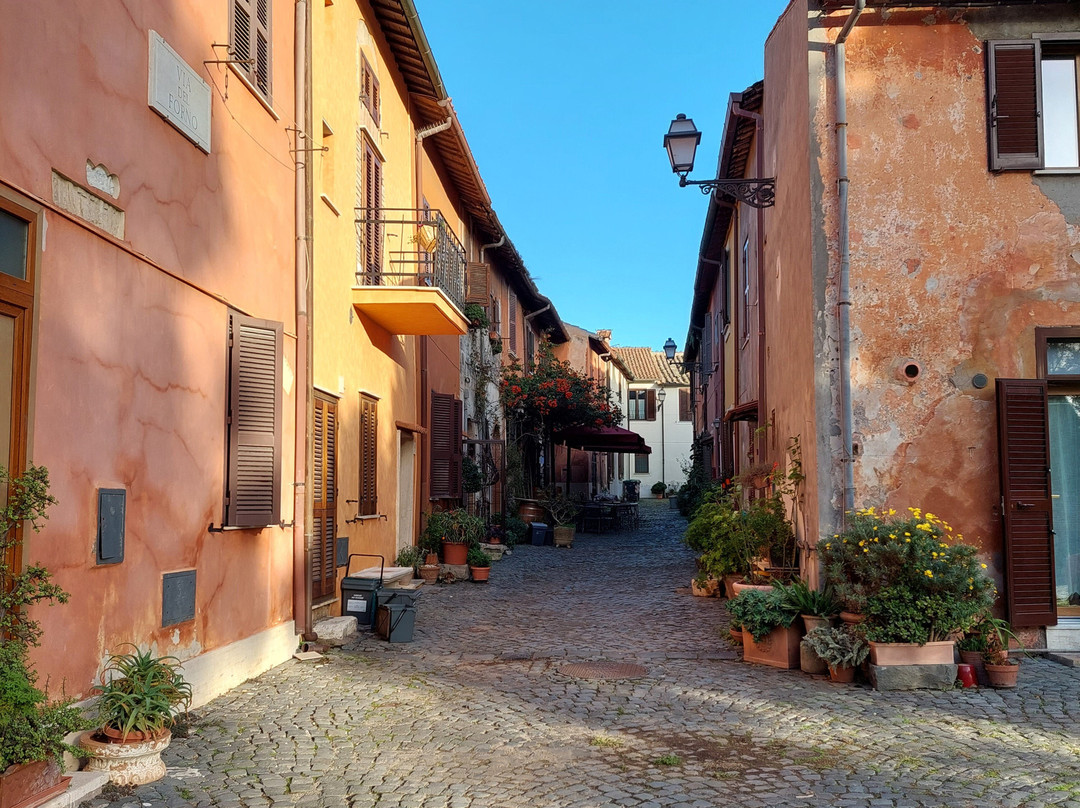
<point x="603" y="670"/>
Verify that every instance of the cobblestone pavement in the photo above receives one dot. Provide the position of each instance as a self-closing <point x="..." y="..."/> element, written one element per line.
<point x="475" y="712"/>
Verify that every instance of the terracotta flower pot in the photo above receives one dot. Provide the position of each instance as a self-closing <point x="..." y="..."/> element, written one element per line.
<point x="1002" y="675"/>
<point x="431" y="559"/>
<point x="909" y="653"/>
<point x="777" y="649"/>
<point x="430" y="572"/>
<point x="736" y="635"/>
<point x="454" y="552"/>
<point x="841" y="673"/>
<point x="812" y="621"/>
<point x="729" y="584"/>
<point x="851" y="618"/>
<point x="28" y="784"/>
<point x="480" y="573"/>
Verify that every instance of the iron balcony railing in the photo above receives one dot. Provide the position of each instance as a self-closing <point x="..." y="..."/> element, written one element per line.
<point x="409" y="247"/>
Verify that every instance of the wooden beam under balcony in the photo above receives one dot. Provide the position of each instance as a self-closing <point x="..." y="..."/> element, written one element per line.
<point x="417" y="310"/>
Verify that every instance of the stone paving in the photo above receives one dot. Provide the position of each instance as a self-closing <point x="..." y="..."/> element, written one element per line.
<point x="476" y="713"/>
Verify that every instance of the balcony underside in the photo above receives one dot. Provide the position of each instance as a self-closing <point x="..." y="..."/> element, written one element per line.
<point x="418" y="310"/>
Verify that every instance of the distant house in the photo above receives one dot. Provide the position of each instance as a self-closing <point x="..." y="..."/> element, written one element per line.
<point x="658" y="408"/>
<point x="909" y="309"/>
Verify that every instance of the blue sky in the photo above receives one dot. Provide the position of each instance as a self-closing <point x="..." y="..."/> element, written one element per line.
<point x="565" y="106"/>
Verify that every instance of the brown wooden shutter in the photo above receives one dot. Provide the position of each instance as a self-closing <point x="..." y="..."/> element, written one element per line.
<point x="1014" y="104"/>
<point x="1027" y="515"/>
<point x="251" y="41"/>
<point x="253" y="493"/>
<point x="372" y="213"/>
<point x="684" y="404"/>
<point x="369" y="86"/>
<point x="512" y="322"/>
<point x="650" y="405"/>
<point x="324" y="493"/>
<point x="369" y="456"/>
<point x="446" y="419"/>
<point x="477" y="277"/>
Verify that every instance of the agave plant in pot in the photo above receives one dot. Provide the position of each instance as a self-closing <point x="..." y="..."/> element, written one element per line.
<point x="768" y="635"/>
<point x="139" y="698"/>
<point x="1001" y="669"/>
<point x="842" y="648"/>
<point x="816" y="608"/>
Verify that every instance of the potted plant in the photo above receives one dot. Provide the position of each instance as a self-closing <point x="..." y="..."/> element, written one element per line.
<point x="476" y="316"/>
<point x="918" y="585"/>
<point x="32" y="728"/>
<point x="563" y="512"/>
<point x="816" y="607"/>
<point x="768" y="636"/>
<point x="410" y="557"/>
<point x="140" y="696"/>
<point x="1001" y="669"/>
<point x="455" y="531"/>
<point x="842" y="648"/>
<point x="704" y="585"/>
<point x="479" y="563"/>
<point x="658" y="489"/>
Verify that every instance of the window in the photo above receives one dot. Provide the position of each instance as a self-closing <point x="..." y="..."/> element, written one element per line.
<point x="369" y="89"/>
<point x="641" y="464"/>
<point x="512" y="312"/>
<point x="530" y="348"/>
<point x="746" y="288"/>
<point x="1057" y="354"/>
<point x="369" y="455"/>
<point x="253" y="485"/>
<point x="725" y="289"/>
<point x="369" y="191"/>
<point x="446" y="421"/>
<point x="684" y="404"/>
<point x="324" y="494"/>
<point x="1032" y="106"/>
<point x="249" y="38"/>
<point x="641" y="405"/>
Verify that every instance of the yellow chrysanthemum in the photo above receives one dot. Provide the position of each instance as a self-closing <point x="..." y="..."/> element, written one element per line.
<point x="983" y="566"/>
<point x="929" y="573"/>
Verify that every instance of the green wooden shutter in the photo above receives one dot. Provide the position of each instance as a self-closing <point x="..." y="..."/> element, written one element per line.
<point x="253" y="493"/>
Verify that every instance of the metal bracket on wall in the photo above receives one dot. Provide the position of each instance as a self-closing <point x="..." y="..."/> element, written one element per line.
<point x="365" y="518"/>
<point x="757" y="193"/>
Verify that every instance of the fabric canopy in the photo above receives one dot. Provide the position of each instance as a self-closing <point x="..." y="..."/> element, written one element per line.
<point x="603" y="439"/>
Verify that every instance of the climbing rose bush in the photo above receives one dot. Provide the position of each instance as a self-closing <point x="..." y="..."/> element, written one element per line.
<point x="552" y="395"/>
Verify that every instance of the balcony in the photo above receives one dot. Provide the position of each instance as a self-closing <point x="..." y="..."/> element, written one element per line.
<point x="410" y="272"/>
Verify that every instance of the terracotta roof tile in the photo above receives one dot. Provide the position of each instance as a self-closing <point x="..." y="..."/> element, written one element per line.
<point x="649" y="365"/>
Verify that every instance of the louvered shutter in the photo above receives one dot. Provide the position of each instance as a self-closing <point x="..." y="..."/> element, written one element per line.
<point x="650" y="405"/>
<point x="372" y="228"/>
<point x="446" y="419"/>
<point x="684" y="404"/>
<point x="369" y="86"/>
<point x="369" y="456"/>
<point x="1014" y="104"/>
<point x="512" y="322"/>
<point x="253" y="494"/>
<point x="456" y="449"/>
<point x="477" y="276"/>
<point x="251" y="41"/>
<point x="324" y="493"/>
<point x="1027" y="514"/>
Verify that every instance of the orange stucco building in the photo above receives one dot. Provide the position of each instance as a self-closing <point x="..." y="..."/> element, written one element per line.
<point x="921" y="253"/>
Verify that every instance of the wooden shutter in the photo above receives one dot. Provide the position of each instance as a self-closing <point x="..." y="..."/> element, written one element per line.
<point x="1026" y="508"/>
<point x="369" y="87"/>
<point x="372" y="214"/>
<point x="512" y="322"/>
<point x="650" y="405"/>
<point x="253" y="493"/>
<point x="684" y="404"/>
<point x="477" y="277"/>
<point x="1014" y="104"/>
<point x="251" y="41"/>
<point x="446" y="418"/>
<point x="369" y="456"/>
<point x="324" y="492"/>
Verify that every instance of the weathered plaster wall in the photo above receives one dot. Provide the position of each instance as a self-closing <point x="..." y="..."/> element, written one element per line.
<point x="129" y="374"/>
<point x="952" y="267"/>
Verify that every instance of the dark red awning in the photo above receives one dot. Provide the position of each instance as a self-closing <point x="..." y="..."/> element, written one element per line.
<point x="603" y="439"/>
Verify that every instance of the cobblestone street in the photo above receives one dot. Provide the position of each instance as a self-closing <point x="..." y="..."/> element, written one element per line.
<point x="475" y="711"/>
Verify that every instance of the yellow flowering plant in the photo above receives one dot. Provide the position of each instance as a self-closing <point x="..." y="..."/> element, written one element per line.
<point x="909" y="573"/>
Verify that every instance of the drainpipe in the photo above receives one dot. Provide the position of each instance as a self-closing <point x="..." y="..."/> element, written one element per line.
<point x="537" y="312"/>
<point x="493" y="246"/>
<point x="302" y="521"/>
<point x="843" y="299"/>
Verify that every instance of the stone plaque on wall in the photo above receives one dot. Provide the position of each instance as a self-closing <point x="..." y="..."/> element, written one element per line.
<point x="178" y="94"/>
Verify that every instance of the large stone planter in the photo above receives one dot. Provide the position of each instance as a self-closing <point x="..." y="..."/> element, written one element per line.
<point x="777" y="649"/>
<point x="885" y="654"/>
<point x="26" y="785"/>
<point x="127" y="764"/>
<point x="739" y="588"/>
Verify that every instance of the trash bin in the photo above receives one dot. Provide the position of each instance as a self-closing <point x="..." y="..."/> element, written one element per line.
<point x="538" y="533"/>
<point x="396" y="620"/>
<point x="631" y="490"/>
<point x="360" y="593"/>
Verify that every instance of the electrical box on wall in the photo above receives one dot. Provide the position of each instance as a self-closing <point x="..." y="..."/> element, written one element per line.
<point x="177" y="597"/>
<point x="112" y="507"/>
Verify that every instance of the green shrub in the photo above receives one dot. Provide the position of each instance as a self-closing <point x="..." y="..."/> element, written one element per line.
<point x="478" y="557"/>
<point x="476" y="315"/>
<point x="760" y="612"/>
<point x="658" y="488"/>
<point x="409" y="557"/>
<point x="838" y="646"/>
<point x="515" y="530"/>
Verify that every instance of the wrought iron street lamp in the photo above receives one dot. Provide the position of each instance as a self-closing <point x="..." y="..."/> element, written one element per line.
<point x="681" y="142"/>
<point x="669" y="351"/>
